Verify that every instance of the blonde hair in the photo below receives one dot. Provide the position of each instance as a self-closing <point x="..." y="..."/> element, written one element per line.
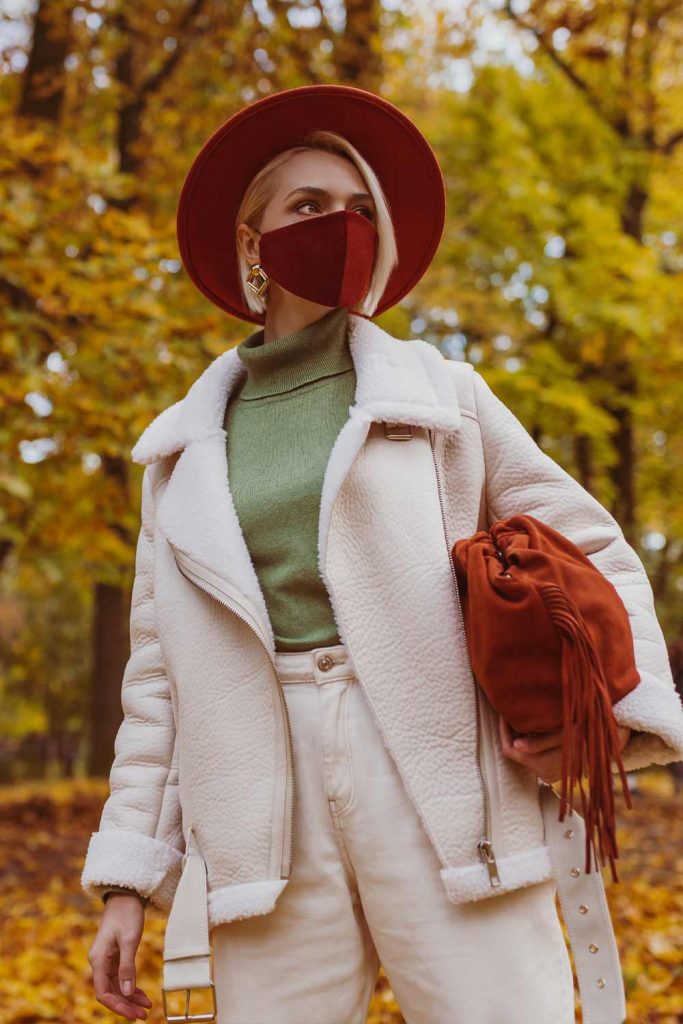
<point x="262" y="186"/>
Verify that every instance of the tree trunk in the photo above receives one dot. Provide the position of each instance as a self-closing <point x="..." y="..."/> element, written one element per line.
<point x="42" y="86"/>
<point x="111" y="649"/>
<point x="583" y="453"/>
<point x="357" y="60"/>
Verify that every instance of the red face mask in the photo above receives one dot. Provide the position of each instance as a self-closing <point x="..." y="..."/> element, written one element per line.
<point x="327" y="259"/>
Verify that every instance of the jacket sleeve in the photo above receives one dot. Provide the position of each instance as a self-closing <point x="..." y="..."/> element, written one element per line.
<point x="140" y="841"/>
<point x="521" y="478"/>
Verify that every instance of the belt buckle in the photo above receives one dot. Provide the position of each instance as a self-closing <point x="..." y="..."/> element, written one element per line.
<point x="398" y="431"/>
<point x="187" y="1016"/>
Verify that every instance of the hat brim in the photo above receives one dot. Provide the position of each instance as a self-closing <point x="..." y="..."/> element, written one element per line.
<point x="399" y="154"/>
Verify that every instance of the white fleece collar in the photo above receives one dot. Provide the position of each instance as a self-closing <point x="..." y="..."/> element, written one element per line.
<point x="396" y="382"/>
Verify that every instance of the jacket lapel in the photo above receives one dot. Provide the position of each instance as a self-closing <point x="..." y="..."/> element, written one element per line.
<point x="398" y="382"/>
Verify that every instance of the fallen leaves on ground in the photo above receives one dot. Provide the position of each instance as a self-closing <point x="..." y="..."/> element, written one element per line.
<point x="49" y="923"/>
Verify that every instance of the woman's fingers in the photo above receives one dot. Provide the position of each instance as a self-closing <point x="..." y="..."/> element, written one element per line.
<point x="111" y="952"/>
<point x="547" y="764"/>
<point x="128" y="1006"/>
<point x="128" y="944"/>
<point x="531" y="743"/>
<point x="543" y="756"/>
<point x="541" y="752"/>
<point x="536" y="743"/>
<point x="105" y="981"/>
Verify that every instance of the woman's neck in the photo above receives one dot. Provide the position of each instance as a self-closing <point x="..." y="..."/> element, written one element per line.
<point x="285" y="319"/>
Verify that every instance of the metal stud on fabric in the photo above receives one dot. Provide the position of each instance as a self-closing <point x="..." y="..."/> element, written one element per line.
<point x="596" y="955"/>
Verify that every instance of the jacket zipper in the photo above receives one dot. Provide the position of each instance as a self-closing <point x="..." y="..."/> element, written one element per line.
<point x="485" y="845"/>
<point x="200" y="576"/>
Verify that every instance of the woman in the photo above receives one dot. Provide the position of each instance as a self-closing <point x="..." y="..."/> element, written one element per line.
<point x="302" y="735"/>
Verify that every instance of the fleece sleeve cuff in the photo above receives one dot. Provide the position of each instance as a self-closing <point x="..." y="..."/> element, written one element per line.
<point x="131" y="859"/>
<point x="653" y="710"/>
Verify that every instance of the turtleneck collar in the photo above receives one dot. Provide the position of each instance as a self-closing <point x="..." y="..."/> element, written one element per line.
<point x="320" y="349"/>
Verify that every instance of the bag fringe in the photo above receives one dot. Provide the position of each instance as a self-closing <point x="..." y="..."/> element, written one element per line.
<point x="590" y="731"/>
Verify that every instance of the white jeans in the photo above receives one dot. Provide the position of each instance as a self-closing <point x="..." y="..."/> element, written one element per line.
<point x="365" y="889"/>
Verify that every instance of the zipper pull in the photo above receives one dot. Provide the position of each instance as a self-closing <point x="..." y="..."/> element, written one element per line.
<point x="487" y="856"/>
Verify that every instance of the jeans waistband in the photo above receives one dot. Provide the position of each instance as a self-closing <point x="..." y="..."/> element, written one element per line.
<point x="317" y="665"/>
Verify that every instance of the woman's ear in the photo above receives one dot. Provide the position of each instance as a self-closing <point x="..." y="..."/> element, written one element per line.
<point x="248" y="239"/>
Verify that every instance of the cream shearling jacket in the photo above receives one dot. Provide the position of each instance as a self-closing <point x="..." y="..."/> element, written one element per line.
<point x="205" y="741"/>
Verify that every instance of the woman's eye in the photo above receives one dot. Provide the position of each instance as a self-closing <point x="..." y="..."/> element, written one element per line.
<point x="364" y="209"/>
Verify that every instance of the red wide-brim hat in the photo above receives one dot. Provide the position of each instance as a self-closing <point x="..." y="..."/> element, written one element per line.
<point x="399" y="154"/>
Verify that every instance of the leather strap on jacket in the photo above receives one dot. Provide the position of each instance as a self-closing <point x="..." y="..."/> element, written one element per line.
<point x="586" y="915"/>
<point x="187" y="950"/>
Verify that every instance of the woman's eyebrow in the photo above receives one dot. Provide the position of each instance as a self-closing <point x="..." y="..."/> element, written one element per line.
<point x="324" y="192"/>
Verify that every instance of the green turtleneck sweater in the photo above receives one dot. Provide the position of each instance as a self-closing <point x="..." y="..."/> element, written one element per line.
<point x="281" y="423"/>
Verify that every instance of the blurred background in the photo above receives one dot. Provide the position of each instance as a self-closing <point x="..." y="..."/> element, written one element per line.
<point x="559" y="128"/>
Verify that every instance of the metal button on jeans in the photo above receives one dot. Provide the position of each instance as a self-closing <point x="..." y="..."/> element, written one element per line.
<point x="325" y="663"/>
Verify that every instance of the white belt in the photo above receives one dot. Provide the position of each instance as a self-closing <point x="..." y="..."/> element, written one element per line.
<point x="586" y="915"/>
<point x="187" y="950"/>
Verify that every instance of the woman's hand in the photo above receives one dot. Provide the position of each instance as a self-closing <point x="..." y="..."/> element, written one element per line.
<point x="542" y="751"/>
<point x="112" y="957"/>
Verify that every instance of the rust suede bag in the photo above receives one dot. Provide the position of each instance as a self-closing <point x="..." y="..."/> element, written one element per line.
<point x="551" y="646"/>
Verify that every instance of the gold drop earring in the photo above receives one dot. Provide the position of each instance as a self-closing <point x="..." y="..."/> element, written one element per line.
<point x="257" y="279"/>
